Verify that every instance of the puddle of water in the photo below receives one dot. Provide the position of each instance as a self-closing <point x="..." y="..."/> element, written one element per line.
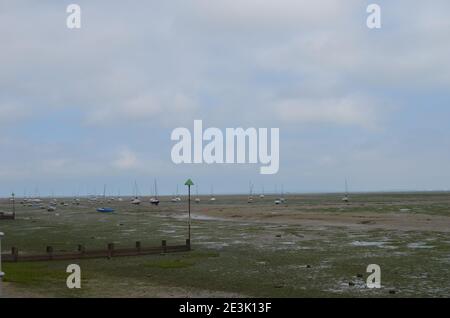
<point x="419" y="245"/>
<point x="167" y="231"/>
<point x="214" y="244"/>
<point x="364" y="243"/>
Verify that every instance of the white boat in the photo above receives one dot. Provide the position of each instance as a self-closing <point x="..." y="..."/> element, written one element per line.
<point x="119" y="198"/>
<point x="213" y="198"/>
<point x="250" y="196"/>
<point x="136" y="200"/>
<point x="197" y="199"/>
<point x="282" y="199"/>
<point x="346" y="198"/>
<point x="177" y="197"/>
<point x="155" y="200"/>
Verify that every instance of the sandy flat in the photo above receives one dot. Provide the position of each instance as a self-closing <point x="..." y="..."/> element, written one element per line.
<point x="365" y="220"/>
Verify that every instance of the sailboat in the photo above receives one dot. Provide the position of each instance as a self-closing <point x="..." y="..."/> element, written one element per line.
<point x="250" y="196"/>
<point x="176" y="197"/>
<point x="119" y="198"/>
<point x="213" y="198"/>
<point x="277" y="200"/>
<point x="282" y="199"/>
<point x="52" y="204"/>
<point x="261" y="196"/>
<point x="155" y="200"/>
<point x="105" y="209"/>
<point x="136" y="200"/>
<point x="346" y="198"/>
<point x="197" y="199"/>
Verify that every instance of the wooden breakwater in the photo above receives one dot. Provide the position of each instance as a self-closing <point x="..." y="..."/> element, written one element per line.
<point x="83" y="253"/>
<point x="7" y="216"/>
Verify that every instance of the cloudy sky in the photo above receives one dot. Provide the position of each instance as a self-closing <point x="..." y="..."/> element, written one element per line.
<point x="83" y="108"/>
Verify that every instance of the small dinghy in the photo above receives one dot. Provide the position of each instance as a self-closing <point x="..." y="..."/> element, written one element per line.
<point x="105" y="210"/>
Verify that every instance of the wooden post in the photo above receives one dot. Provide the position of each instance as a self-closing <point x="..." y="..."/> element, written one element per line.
<point x="110" y="250"/>
<point x="138" y="246"/>
<point x="50" y="252"/>
<point x="164" y="246"/>
<point x="188" y="244"/>
<point x="81" y="249"/>
<point x="1" y="273"/>
<point x="15" y="254"/>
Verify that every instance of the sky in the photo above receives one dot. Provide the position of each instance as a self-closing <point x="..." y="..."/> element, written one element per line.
<point x="81" y="108"/>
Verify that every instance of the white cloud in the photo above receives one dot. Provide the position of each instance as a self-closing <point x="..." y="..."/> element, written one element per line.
<point x="129" y="75"/>
<point x="353" y="111"/>
<point x="126" y="160"/>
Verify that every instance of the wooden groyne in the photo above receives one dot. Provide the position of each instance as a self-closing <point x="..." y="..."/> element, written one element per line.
<point x="83" y="253"/>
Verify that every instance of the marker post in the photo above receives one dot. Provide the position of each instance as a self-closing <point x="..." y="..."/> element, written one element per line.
<point x="189" y="183"/>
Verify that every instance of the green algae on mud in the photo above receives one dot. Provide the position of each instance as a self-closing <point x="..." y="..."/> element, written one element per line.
<point x="234" y="256"/>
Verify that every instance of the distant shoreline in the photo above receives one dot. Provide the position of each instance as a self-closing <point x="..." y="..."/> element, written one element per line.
<point x="238" y="194"/>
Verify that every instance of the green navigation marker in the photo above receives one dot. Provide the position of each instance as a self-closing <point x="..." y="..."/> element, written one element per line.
<point x="189" y="183"/>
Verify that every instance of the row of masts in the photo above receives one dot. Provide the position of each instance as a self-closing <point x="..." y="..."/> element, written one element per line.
<point x="277" y="201"/>
<point x="154" y="200"/>
<point x="175" y="198"/>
